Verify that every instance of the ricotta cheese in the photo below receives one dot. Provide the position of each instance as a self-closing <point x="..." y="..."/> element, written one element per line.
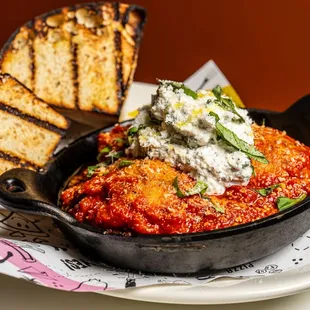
<point x="179" y="127"/>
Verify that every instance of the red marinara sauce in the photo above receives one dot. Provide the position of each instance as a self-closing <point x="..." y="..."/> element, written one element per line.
<point x="139" y="196"/>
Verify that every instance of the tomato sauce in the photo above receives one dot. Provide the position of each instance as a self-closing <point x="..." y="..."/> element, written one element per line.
<point x="140" y="197"/>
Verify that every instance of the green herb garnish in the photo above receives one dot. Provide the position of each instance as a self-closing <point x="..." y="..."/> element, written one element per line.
<point x="92" y="169"/>
<point x="125" y="163"/>
<point x="232" y="139"/>
<point x="253" y="171"/>
<point x="115" y="155"/>
<point x="199" y="188"/>
<point x="217" y="207"/>
<point x="119" y="140"/>
<point x="266" y="191"/>
<point x="217" y="118"/>
<point x="225" y="103"/>
<point x="132" y="131"/>
<point x="105" y="150"/>
<point x="284" y="203"/>
<point x="187" y="91"/>
<point x="217" y="92"/>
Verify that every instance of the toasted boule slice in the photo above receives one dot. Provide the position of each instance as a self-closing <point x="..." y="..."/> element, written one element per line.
<point x="81" y="57"/>
<point x="30" y="129"/>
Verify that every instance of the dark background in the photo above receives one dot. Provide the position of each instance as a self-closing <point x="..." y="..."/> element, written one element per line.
<point x="262" y="46"/>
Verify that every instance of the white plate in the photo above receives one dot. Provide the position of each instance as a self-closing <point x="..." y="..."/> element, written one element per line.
<point x="223" y="291"/>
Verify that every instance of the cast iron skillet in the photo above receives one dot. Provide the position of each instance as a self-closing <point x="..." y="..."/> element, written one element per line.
<point x="37" y="193"/>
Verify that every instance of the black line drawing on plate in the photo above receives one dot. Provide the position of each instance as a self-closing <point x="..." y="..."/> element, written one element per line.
<point x="96" y="282"/>
<point x="297" y="261"/>
<point x="4" y="259"/>
<point x="36" y="273"/>
<point x="207" y="277"/>
<point x="181" y="282"/>
<point x="24" y="254"/>
<point x="19" y="226"/>
<point x="61" y="247"/>
<point x="57" y="285"/>
<point x="130" y="277"/>
<point x="130" y="282"/>
<point x="76" y="264"/>
<point x="301" y="246"/>
<point x="27" y="245"/>
<point x="272" y="268"/>
<point x="30" y="279"/>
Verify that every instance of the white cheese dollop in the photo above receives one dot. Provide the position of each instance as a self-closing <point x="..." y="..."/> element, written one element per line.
<point x="178" y="129"/>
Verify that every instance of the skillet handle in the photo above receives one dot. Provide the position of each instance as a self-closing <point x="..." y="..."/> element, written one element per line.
<point x="22" y="190"/>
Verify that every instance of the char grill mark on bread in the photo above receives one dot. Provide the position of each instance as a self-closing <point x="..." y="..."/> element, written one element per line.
<point x="79" y="57"/>
<point x="132" y="34"/>
<point x="30" y="130"/>
<point x="97" y="64"/>
<point x="16" y="96"/>
<point x="31" y="119"/>
<point x="9" y="162"/>
<point x="119" y="54"/>
<point x="75" y="74"/>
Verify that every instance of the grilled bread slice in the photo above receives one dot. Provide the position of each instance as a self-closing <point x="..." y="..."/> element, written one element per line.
<point x="30" y="129"/>
<point x="80" y="57"/>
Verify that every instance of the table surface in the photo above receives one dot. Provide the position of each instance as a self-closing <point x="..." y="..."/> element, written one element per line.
<point x="18" y="294"/>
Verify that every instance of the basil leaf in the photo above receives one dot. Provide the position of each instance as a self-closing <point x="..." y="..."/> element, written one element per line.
<point x="225" y="103"/>
<point x="187" y="91"/>
<point x="266" y="191"/>
<point x="253" y="171"/>
<point x="132" y="131"/>
<point x="232" y="139"/>
<point x="217" y="118"/>
<point x="105" y="150"/>
<point x="217" y="207"/>
<point x="125" y="163"/>
<point x="199" y="188"/>
<point x="115" y="155"/>
<point x="284" y="203"/>
<point x="119" y="140"/>
<point x="217" y="92"/>
<point x="91" y="169"/>
<point x="229" y="105"/>
<point x="176" y="186"/>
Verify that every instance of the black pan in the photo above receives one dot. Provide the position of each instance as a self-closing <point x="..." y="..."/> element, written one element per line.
<point x="38" y="193"/>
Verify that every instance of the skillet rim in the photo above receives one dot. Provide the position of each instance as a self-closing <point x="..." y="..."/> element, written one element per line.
<point x="185" y="237"/>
